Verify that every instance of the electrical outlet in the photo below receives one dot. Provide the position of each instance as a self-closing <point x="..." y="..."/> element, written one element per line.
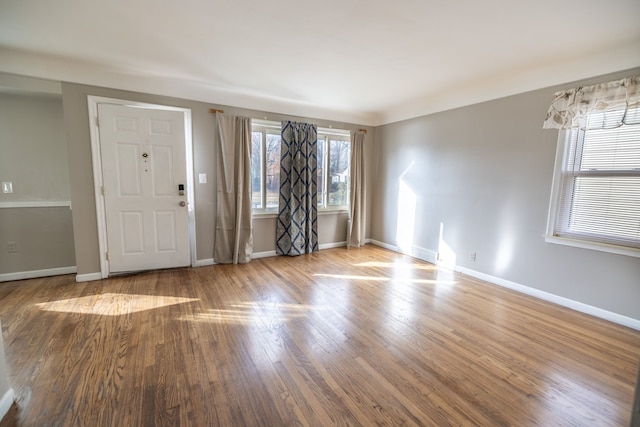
<point x="12" y="247"/>
<point x="472" y="256"/>
<point x="7" y="187"/>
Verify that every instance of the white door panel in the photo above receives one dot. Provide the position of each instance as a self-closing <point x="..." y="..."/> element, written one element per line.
<point x="143" y="163"/>
<point x="127" y="164"/>
<point x="163" y="185"/>
<point x="165" y="231"/>
<point x="132" y="233"/>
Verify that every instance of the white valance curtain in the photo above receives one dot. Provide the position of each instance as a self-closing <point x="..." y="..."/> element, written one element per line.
<point x="234" y="234"/>
<point x="357" y="211"/>
<point x="618" y="101"/>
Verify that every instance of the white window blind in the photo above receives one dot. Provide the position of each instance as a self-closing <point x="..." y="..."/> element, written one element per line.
<point x="600" y="183"/>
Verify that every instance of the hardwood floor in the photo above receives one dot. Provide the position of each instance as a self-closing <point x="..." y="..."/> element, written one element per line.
<point x="341" y="337"/>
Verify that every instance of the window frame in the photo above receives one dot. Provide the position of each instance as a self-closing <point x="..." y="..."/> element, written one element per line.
<point x="324" y="208"/>
<point x="265" y="127"/>
<point x="562" y="152"/>
<point x="333" y="135"/>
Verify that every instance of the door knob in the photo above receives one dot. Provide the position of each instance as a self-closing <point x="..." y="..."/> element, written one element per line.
<point x="182" y="203"/>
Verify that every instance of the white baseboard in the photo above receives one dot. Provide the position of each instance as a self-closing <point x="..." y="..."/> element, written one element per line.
<point x="332" y="245"/>
<point x="210" y="261"/>
<point x="424" y="254"/>
<point x="204" y="262"/>
<point x="89" y="277"/>
<point x="265" y="254"/>
<point x="546" y="296"/>
<point x="384" y="245"/>
<point x="20" y="275"/>
<point x="415" y="251"/>
<point x="6" y="402"/>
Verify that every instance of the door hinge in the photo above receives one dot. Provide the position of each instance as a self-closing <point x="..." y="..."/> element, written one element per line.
<point x="102" y="190"/>
<point x="107" y="255"/>
<point x="97" y="121"/>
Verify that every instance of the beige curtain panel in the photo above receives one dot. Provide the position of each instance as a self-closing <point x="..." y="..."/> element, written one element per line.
<point x="234" y="234"/>
<point x="356" y="228"/>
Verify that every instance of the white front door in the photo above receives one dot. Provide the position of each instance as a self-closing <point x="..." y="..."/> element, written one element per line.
<point x="144" y="173"/>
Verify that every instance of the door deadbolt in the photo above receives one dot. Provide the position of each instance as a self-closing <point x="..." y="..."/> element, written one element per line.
<point x="182" y="203"/>
<point x="145" y="155"/>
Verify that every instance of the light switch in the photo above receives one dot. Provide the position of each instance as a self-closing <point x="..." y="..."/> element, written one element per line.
<point x="7" y="187"/>
<point x="202" y="178"/>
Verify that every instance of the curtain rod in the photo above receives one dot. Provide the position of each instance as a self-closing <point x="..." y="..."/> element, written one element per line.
<point x="213" y="111"/>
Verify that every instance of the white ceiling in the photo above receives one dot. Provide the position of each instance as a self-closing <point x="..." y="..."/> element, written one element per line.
<point x="364" y="61"/>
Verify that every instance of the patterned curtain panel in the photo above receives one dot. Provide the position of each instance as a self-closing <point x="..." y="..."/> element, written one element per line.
<point x="357" y="219"/>
<point x="616" y="102"/>
<point x="297" y="225"/>
<point x="234" y="234"/>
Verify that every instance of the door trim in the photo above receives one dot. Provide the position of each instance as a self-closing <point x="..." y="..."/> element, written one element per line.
<point x="96" y="157"/>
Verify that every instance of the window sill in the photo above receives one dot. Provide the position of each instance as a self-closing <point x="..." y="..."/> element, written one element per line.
<point x="602" y="247"/>
<point x="332" y="211"/>
<point x="321" y="212"/>
<point x="264" y="215"/>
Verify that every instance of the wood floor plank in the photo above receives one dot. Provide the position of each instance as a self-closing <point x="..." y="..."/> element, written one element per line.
<point x="340" y="337"/>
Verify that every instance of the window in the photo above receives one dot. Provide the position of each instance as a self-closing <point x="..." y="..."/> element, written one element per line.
<point x="597" y="189"/>
<point x="265" y="166"/>
<point x="334" y="149"/>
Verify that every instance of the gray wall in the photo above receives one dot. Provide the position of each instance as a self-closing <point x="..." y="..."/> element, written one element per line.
<point x="43" y="236"/>
<point x="331" y="228"/>
<point x="484" y="172"/>
<point x="31" y="130"/>
<point x="34" y="159"/>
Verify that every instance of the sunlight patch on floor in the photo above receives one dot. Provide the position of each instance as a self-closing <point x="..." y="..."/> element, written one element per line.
<point x="109" y="304"/>
<point x="406" y="265"/>
<point x="385" y="279"/>
<point x="248" y="313"/>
